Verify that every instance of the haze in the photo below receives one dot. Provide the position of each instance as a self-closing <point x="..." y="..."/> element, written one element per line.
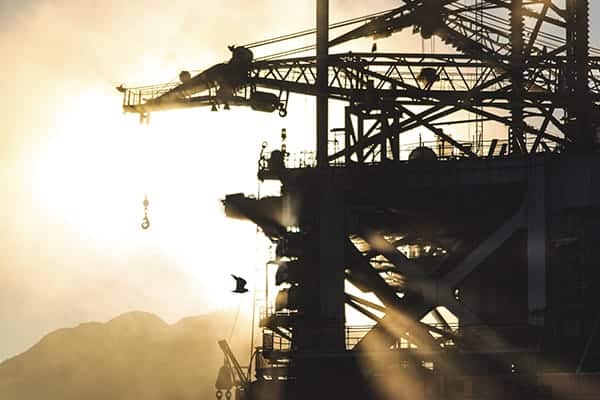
<point x="75" y="170"/>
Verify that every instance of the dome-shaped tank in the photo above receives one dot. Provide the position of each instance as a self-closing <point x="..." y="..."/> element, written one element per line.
<point x="276" y="162"/>
<point x="281" y="300"/>
<point x="428" y="76"/>
<point x="289" y="272"/>
<point x="185" y="76"/>
<point x="288" y="299"/>
<point x="282" y="275"/>
<point x="422" y="153"/>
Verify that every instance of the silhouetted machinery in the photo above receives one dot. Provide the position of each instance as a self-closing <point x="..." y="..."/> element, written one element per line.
<point x="476" y="259"/>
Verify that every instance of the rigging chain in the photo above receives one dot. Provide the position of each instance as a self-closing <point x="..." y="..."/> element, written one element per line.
<point x="145" y="221"/>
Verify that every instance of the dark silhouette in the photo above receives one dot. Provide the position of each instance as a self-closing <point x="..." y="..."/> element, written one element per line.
<point x="133" y="356"/>
<point x="240" y="284"/>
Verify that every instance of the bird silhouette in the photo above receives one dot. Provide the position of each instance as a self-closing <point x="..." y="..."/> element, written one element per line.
<point x="240" y="284"/>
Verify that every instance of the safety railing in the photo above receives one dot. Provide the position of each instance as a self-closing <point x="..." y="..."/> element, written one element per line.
<point x="135" y="97"/>
<point x="485" y="338"/>
<point x="354" y="334"/>
<point x="275" y="342"/>
<point x="442" y="151"/>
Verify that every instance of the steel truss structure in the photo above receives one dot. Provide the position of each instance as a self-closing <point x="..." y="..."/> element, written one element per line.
<point x="536" y="92"/>
<point x="498" y="233"/>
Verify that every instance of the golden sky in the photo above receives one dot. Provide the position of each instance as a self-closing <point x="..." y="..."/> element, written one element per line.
<point x="75" y="170"/>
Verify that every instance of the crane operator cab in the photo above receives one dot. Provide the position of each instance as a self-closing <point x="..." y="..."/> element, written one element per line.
<point x="238" y="66"/>
<point x="240" y="56"/>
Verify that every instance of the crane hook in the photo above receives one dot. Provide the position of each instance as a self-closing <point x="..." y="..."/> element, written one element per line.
<point x="145" y="221"/>
<point x="282" y="111"/>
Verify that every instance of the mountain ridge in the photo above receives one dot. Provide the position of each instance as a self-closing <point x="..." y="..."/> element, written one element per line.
<point x="133" y="355"/>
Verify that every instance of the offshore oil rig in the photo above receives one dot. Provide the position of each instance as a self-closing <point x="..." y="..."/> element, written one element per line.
<point x="480" y="255"/>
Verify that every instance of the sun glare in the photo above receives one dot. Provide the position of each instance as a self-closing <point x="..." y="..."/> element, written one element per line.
<point x="93" y="174"/>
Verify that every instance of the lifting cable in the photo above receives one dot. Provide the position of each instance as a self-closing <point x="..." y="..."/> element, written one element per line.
<point x="287" y="53"/>
<point x="503" y="24"/>
<point x="237" y="314"/>
<point x="312" y="31"/>
<point x="544" y="38"/>
<point x="145" y="120"/>
<point x="145" y="221"/>
<point x="254" y="289"/>
<point x="550" y="39"/>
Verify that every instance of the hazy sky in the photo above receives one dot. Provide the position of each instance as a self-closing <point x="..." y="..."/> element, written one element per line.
<point x="75" y="170"/>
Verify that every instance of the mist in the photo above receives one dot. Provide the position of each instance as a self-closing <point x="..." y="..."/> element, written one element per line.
<point x="72" y="247"/>
<point x="75" y="170"/>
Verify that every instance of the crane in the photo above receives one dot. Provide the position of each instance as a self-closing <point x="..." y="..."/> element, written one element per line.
<point x="476" y="214"/>
<point x="530" y="92"/>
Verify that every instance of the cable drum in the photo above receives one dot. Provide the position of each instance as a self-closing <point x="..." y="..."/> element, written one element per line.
<point x="264" y="101"/>
<point x="185" y="76"/>
<point x="422" y="154"/>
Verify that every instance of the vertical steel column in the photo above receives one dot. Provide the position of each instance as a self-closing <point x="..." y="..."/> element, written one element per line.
<point x="322" y="74"/>
<point x="570" y="70"/>
<point x="577" y="40"/>
<point x="331" y="209"/>
<point x="582" y="46"/>
<point x="331" y="266"/>
<point x="516" y="136"/>
<point x="537" y="271"/>
<point x="348" y="132"/>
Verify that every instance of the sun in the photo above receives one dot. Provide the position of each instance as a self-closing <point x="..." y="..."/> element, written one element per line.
<point x="91" y="177"/>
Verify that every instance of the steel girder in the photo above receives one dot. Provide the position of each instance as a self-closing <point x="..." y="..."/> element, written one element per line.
<point x="390" y="84"/>
<point x="542" y="86"/>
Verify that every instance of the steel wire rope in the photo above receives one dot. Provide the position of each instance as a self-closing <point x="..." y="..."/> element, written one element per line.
<point x="500" y="24"/>
<point x="254" y="292"/>
<point x="490" y="16"/>
<point x="286" y="53"/>
<point x="311" y="31"/>
<point x="237" y="314"/>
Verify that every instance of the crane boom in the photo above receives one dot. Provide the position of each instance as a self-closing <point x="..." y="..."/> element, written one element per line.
<point x="456" y="25"/>
<point x="480" y="79"/>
